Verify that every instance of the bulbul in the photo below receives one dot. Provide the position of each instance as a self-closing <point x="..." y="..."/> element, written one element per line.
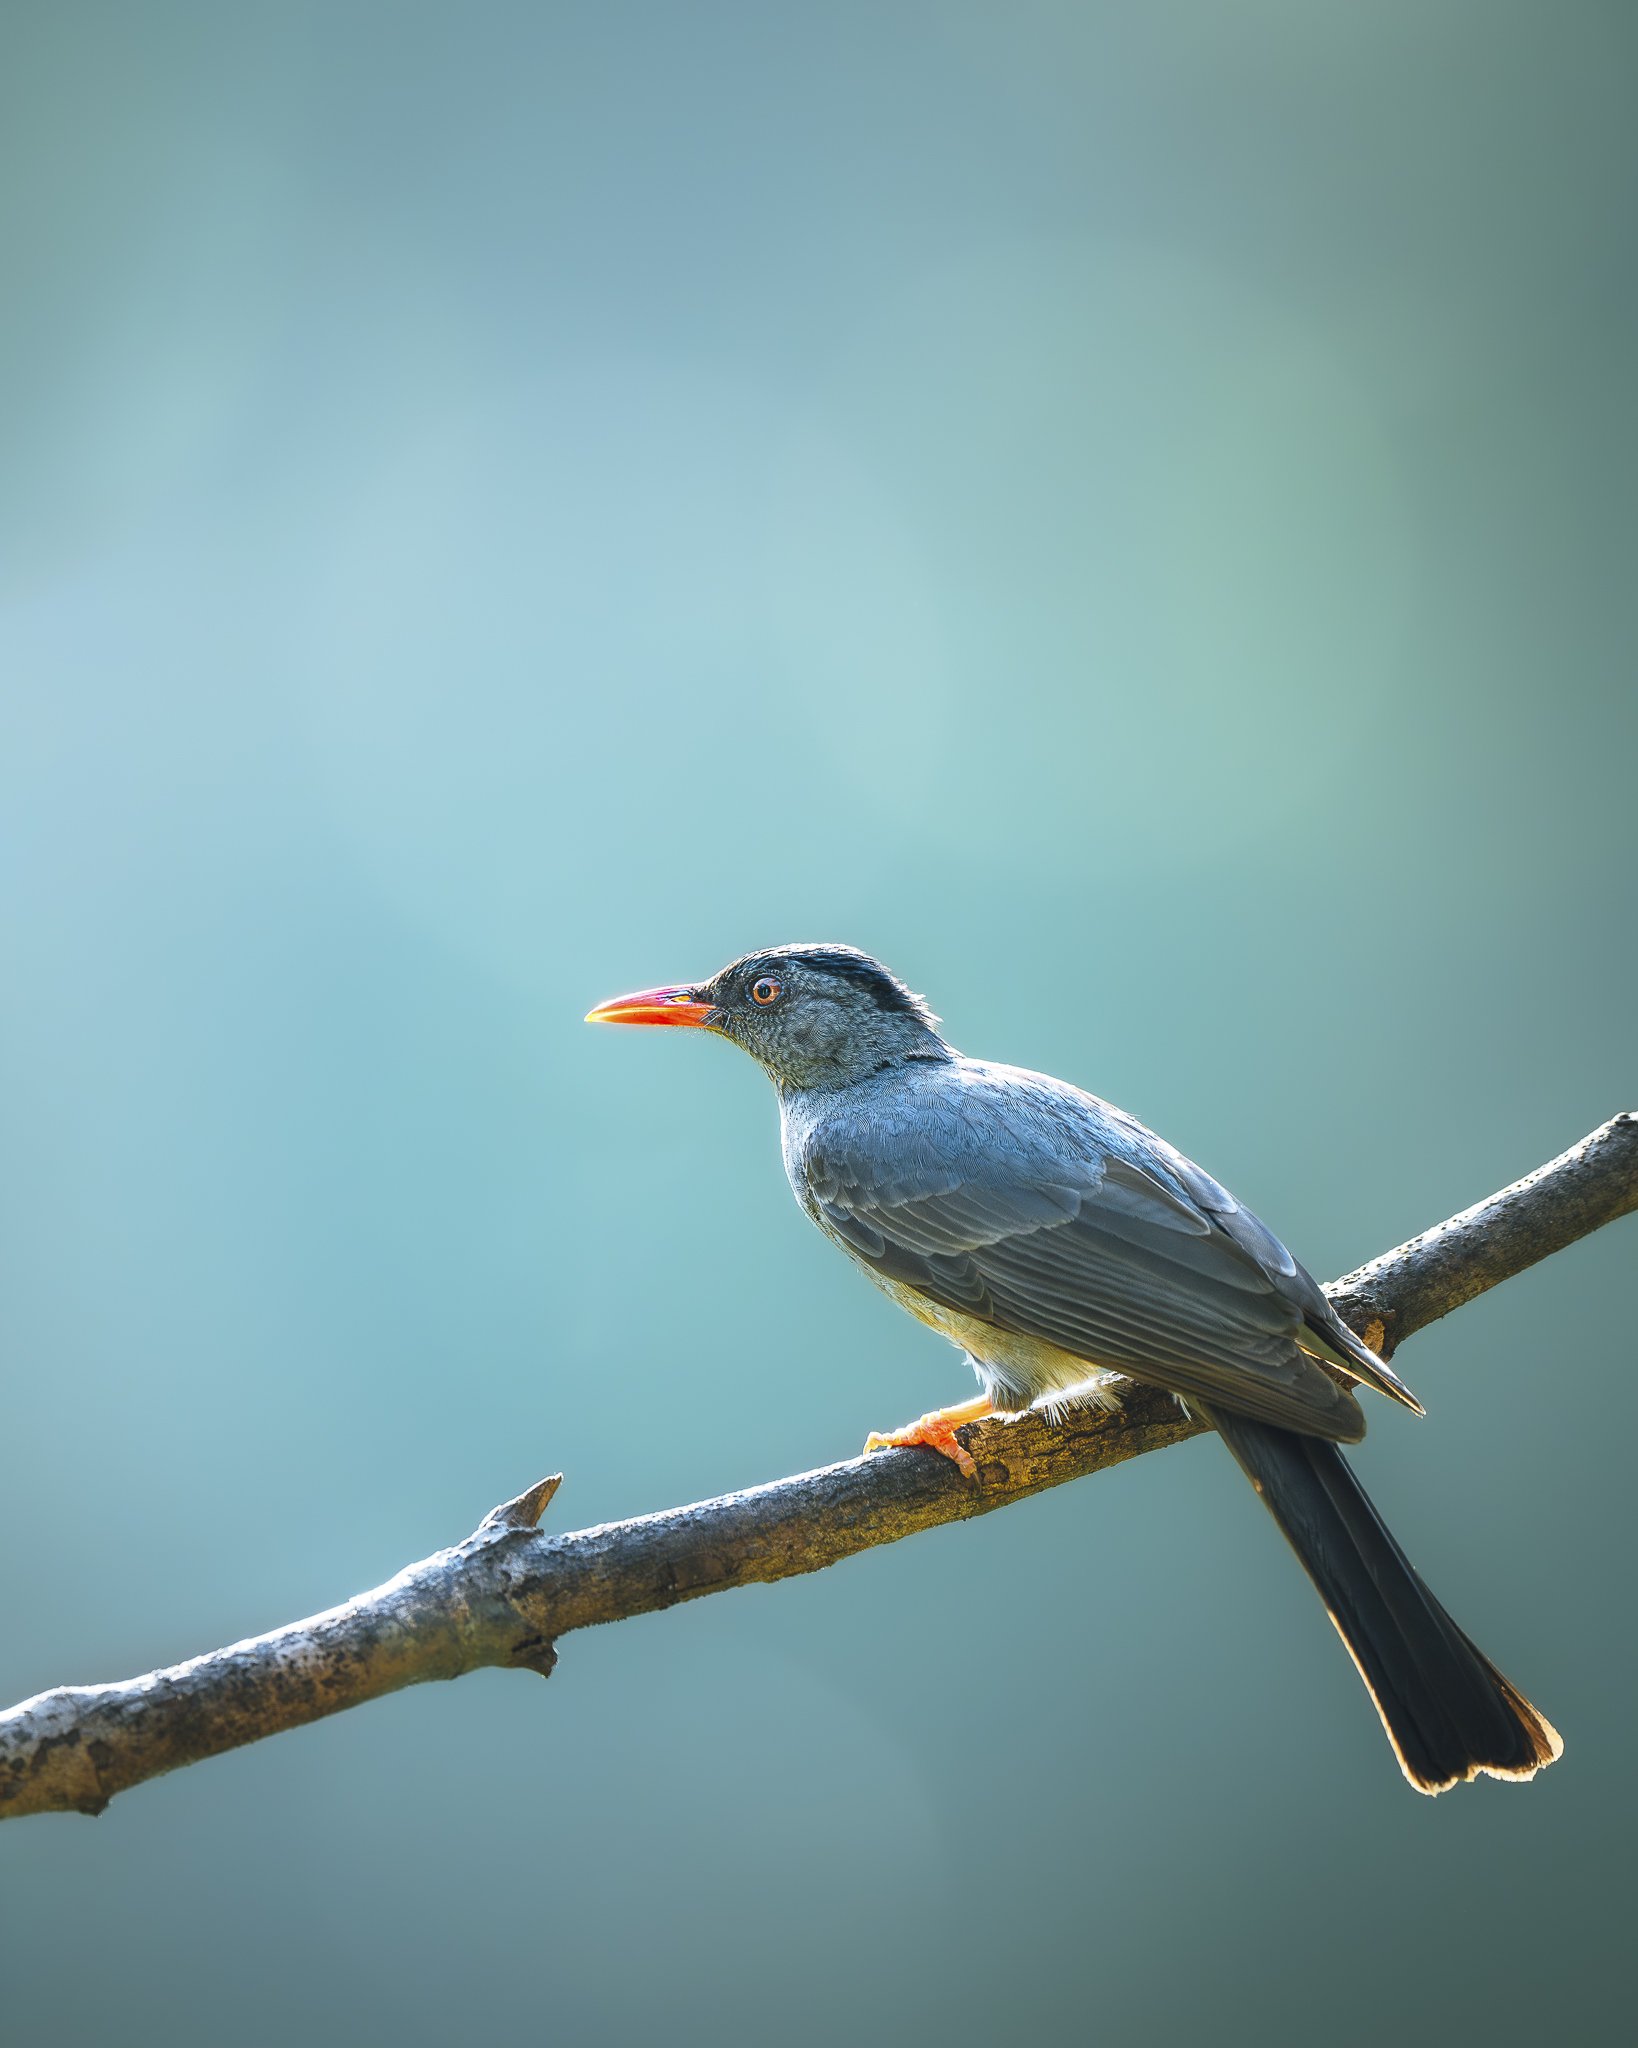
<point x="1065" y="1247"/>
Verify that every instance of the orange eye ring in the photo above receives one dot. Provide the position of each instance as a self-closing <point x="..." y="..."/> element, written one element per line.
<point x="766" y="990"/>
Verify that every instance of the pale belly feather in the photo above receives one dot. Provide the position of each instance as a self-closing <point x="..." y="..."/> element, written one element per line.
<point x="1016" y="1372"/>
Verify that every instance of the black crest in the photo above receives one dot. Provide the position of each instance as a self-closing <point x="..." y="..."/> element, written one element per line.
<point x="868" y="976"/>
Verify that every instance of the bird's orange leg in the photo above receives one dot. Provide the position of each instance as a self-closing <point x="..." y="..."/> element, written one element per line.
<point x="937" y="1432"/>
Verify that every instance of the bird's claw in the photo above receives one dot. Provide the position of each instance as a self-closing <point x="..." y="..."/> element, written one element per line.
<point x="933" y="1432"/>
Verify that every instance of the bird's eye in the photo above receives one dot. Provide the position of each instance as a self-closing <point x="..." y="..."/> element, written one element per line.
<point x="766" y="991"/>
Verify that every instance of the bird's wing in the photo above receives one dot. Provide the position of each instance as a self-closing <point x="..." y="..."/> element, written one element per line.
<point x="1047" y="1215"/>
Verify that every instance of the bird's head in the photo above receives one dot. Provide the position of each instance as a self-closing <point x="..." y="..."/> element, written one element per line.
<point x="814" y="1016"/>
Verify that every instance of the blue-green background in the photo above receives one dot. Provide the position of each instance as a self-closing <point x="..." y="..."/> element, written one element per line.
<point x="1127" y="512"/>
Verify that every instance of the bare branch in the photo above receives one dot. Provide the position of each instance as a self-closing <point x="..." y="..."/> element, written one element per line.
<point x="508" y="1593"/>
<point x="1570" y="1197"/>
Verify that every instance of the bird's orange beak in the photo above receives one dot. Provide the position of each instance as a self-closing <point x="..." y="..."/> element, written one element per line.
<point x="653" y="1006"/>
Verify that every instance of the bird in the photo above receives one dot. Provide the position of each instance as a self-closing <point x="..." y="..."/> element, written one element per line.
<point x="1068" y="1251"/>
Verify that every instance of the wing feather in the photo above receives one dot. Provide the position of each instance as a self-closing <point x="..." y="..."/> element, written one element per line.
<point x="1047" y="1215"/>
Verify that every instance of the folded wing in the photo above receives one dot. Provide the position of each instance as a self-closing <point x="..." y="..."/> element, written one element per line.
<point x="1048" y="1215"/>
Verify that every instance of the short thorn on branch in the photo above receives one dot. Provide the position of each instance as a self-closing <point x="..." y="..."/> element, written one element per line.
<point x="526" y="1510"/>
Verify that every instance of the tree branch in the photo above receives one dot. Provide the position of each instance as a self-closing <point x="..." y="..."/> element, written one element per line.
<point x="505" y="1595"/>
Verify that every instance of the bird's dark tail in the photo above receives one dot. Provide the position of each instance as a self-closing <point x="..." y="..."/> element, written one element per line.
<point x="1448" y="1711"/>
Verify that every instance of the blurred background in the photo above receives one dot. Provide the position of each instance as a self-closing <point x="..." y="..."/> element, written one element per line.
<point x="1127" y="514"/>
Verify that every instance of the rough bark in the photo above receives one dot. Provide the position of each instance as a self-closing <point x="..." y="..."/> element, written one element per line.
<point x="507" y="1593"/>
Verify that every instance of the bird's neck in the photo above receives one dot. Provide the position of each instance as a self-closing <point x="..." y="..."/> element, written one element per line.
<point x="853" y="1066"/>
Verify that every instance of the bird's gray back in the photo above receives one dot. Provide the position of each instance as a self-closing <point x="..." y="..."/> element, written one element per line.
<point x="1022" y="1203"/>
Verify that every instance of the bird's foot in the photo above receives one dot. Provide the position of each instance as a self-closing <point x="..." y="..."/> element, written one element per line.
<point x="936" y="1432"/>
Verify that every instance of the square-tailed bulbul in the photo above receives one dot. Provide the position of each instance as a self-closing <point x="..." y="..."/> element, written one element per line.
<point x="1063" y="1246"/>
